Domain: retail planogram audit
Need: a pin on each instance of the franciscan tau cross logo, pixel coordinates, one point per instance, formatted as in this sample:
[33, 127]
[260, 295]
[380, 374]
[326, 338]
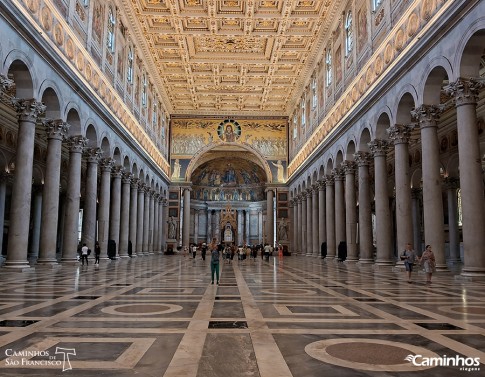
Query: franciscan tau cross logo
[66, 363]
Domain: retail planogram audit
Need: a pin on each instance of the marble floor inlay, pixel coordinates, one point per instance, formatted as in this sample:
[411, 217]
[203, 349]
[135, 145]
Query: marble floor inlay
[299, 317]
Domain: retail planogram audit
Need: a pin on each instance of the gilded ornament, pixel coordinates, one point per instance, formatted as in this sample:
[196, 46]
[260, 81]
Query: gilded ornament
[399, 40]
[70, 48]
[80, 61]
[33, 5]
[378, 65]
[388, 53]
[46, 18]
[412, 25]
[59, 34]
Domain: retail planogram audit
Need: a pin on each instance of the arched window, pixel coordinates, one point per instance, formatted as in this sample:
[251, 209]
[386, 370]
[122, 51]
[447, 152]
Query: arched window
[460, 212]
[86, 3]
[314, 92]
[154, 114]
[303, 112]
[130, 66]
[144, 92]
[295, 130]
[328, 66]
[377, 3]
[111, 31]
[349, 35]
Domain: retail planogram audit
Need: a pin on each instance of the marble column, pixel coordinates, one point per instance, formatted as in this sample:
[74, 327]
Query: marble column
[322, 221]
[304, 226]
[339, 177]
[115, 207]
[217, 226]
[299, 230]
[309, 226]
[315, 224]
[186, 229]
[56, 132]
[416, 203]
[260, 227]
[452, 185]
[291, 230]
[163, 226]
[428, 116]
[471, 177]
[400, 135]
[196, 226]
[156, 223]
[269, 217]
[125, 215]
[133, 216]
[240, 228]
[385, 248]
[349, 168]
[36, 223]
[151, 223]
[72, 202]
[146, 220]
[366, 246]
[93, 156]
[104, 205]
[18, 239]
[247, 227]
[330, 217]
[209, 226]
[3, 193]
[140, 219]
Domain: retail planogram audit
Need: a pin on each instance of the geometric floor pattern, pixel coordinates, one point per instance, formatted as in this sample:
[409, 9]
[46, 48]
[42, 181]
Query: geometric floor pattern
[298, 316]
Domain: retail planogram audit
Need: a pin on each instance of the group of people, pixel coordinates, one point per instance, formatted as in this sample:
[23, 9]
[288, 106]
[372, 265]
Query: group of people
[427, 261]
[84, 252]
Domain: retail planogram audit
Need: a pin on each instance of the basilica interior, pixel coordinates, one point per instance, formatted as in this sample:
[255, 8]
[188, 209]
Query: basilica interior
[340, 133]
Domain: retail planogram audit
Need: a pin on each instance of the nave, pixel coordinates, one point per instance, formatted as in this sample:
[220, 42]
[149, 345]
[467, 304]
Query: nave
[297, 316]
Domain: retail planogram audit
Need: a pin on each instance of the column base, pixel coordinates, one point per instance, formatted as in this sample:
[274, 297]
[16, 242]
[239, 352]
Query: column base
[69, 260]
[47, 261]
[351, 260]
[454, 261]
[365, 261]
[123, 256]
[442, 268]
[18, 266]
[472, 274]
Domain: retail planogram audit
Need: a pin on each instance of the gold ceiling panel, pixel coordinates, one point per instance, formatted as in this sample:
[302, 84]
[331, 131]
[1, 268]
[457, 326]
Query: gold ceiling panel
[253, 56]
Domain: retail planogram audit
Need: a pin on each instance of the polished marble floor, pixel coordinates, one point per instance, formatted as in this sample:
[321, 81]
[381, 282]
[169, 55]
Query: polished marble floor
[299, 316]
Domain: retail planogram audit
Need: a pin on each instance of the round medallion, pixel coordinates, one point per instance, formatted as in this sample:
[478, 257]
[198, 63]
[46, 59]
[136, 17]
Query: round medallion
[399, 39]
[46, 18]
[229, 130]
[70, 48]
[412, 26]
[58, 34]
[388, 53]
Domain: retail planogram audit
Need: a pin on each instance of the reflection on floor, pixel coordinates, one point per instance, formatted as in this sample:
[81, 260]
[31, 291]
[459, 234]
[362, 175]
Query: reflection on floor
[301, 316]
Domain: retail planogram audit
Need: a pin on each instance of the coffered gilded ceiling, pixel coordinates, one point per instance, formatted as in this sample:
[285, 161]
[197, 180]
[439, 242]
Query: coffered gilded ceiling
[232, 56]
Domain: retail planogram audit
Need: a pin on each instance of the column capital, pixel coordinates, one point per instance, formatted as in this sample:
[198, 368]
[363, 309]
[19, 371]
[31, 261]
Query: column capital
[363, 158]
[349, 166]
[189, 189]
[379, 147]
[56, 128]
[309, 192]
[451, 183]
[427, 115]
[7, 86]
[329, 180]
[465, 91]
[303, 195]
[93, 155]
[400, 133]
[315, 187]
[134, 182]
[126, 178]
[117, 171]
[106, 164]
[76, 143]
[165, 203]
[28, 109]
[141, 186]
[338, 174]
[321, 184]
[267, 189]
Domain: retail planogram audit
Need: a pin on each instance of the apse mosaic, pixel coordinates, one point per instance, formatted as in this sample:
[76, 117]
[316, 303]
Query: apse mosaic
[267, 138]
[228, 179]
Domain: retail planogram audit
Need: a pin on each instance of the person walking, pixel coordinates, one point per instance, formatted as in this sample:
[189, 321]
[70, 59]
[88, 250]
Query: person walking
[84, 254]
[428, 262]
[215, 256]
[409, 257]
[97, 253]
[203, 250]
[194, 250]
